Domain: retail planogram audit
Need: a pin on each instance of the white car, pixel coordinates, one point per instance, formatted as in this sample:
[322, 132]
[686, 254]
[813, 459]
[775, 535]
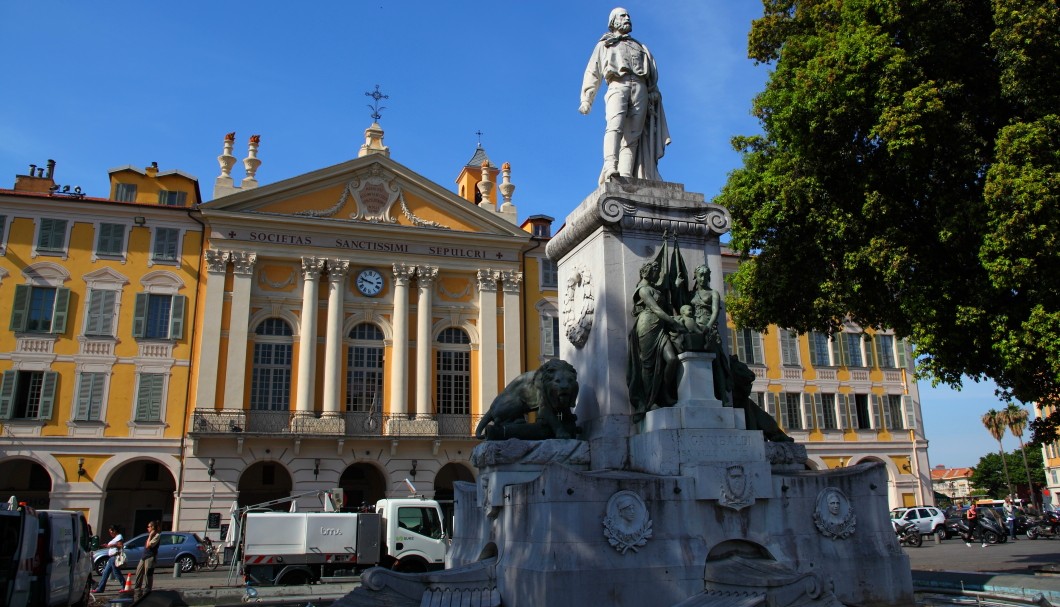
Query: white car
[928, 519]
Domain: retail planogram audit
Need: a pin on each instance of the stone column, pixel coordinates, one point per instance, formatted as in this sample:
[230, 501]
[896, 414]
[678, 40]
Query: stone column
[236, 367]
[337, 270]
[399, 369]
[487, 327]
[425, 276]
[513, 343]
[307, 334]
[210, 334]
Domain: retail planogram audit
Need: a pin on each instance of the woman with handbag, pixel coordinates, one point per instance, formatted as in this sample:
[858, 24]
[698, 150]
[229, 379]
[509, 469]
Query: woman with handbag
[145, 571]
[114, 549]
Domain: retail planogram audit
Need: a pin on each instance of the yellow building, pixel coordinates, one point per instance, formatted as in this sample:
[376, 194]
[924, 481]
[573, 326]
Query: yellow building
[851, 398]
[96, 357]
[1051, 461]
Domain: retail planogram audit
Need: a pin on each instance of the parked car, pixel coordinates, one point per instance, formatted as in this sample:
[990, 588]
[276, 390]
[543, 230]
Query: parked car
[175, 548]
[928, 519]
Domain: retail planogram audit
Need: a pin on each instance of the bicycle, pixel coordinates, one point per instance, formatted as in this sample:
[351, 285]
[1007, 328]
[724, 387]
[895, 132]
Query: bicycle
[213, 556]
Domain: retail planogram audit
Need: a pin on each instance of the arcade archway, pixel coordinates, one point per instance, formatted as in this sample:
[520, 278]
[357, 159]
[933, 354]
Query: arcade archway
[264, 482]
[28, 481]
[362, 484]
[138, 492]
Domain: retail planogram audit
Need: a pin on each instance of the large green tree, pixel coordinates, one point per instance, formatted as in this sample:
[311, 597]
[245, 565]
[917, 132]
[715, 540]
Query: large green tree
[908, 176]
[988, 477]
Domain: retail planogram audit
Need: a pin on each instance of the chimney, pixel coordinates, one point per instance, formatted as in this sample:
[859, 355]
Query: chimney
[152, 171]
[37, 181]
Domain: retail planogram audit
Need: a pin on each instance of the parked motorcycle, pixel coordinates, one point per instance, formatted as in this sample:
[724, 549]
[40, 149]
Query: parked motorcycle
[988, 531]
[908, 534]
[1047, 525]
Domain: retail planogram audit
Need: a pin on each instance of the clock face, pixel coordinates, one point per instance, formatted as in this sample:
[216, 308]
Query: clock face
[370, 282]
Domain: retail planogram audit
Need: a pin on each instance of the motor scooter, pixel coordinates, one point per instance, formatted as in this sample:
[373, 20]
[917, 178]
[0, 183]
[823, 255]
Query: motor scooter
[988, 531]
[1047, 525]
[908, 534]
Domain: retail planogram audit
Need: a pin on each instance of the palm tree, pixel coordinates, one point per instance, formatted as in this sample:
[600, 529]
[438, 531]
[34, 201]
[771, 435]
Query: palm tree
[996, 423]
[1017, 423]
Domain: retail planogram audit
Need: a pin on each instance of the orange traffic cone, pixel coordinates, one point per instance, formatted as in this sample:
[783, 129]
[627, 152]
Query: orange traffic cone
[128, 584]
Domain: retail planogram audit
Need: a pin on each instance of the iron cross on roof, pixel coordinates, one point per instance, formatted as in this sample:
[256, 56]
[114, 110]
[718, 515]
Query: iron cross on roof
[376, 95]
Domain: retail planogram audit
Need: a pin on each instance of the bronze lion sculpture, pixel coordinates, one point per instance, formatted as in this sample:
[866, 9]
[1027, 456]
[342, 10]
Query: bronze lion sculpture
[550, 391]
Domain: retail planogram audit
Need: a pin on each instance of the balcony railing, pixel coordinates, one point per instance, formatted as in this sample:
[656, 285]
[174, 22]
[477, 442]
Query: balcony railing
[206, 422]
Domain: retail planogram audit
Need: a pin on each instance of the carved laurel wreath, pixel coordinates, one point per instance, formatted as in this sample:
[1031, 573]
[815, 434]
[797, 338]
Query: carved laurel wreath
[624, 542]
[579, 305]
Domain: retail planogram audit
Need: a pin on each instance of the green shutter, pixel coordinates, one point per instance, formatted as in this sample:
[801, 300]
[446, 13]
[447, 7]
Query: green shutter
[852, 408]
[782, 404]
[901, 350]
[836, 342]
[20, 307]
[7, 394]
[84, 396]
[140, 315]
[875, 404]
[62, 306]
[878, 350]
[818, 409]
[805, 401]
[47, 395]
[885, 404]
[176, 317]
[910, 412]
[756, 348]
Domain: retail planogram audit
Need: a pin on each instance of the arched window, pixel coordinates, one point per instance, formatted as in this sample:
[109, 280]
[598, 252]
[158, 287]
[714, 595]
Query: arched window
[364, 370]
[453, 372]
[270, 387]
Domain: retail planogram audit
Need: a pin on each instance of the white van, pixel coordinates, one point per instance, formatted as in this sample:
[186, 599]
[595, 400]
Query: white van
[44, 558]
[65, 561]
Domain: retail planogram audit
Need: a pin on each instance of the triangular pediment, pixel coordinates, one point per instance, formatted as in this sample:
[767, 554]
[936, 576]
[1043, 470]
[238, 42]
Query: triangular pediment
[373, 190]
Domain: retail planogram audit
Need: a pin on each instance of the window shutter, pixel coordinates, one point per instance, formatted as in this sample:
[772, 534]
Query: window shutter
[839, 402]
[837, 350]
[140, 315]
[547, 337]
[7, 394]
[805, 401]
[782, 404]
[62, 305]
[814, 355]
[100, 312]
[84, 396]
[852, 408]
[875, 400]
[901, 351]
[176, 317]
[818, 408]
[910, 412]
[773, 402]
[886, 404]
[756, 348]
[20, 307]
[877, 344]
[149, 398]
[47, 395]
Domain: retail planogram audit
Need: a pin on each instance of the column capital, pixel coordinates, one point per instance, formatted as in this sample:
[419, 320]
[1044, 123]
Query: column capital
[487, 279]
[425, 276]
[216, 261]
[512, 280]
[312, 266]
[402, 273]
[338, 269]
[243, 262]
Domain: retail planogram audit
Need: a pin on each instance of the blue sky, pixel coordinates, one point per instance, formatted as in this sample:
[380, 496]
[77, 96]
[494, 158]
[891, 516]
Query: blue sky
[98, 85]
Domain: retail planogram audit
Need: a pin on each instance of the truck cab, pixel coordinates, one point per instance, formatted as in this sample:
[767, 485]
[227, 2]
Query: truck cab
[415, 536]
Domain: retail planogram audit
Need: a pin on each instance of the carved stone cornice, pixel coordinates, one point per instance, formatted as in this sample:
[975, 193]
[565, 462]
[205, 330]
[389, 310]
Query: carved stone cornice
[216, 261]
[402, 274]
[243, 262]
[425, 276]
[511, 281]
[639, 205]
[312, 267]
[487, 280]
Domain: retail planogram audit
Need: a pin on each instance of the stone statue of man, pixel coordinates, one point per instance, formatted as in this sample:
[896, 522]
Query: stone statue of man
[636, 135]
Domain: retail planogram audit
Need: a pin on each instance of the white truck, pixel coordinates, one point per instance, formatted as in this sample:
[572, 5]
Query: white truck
[288, 548]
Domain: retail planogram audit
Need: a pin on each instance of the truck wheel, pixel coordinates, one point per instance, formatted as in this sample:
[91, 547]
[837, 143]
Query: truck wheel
[412, 564]
[295, 578]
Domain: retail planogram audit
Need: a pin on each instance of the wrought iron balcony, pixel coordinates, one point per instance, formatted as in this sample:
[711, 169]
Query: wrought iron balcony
[213, 422]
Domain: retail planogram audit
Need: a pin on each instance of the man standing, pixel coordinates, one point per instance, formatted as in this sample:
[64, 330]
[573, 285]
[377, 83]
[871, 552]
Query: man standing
[144, 579]
[636, 135]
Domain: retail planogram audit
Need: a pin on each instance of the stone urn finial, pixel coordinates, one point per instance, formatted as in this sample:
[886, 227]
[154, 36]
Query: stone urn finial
[226, 159]
[506, 187]
[485, 187]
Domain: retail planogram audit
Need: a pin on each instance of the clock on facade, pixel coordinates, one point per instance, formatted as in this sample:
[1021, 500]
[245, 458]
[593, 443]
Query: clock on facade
[370, 282]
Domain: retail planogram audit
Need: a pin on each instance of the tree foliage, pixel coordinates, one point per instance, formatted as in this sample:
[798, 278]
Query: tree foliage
[908, 177]
[988, 476]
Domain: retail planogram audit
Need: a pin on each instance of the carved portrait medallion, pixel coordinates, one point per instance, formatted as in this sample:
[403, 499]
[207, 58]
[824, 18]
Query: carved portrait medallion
[626, 524]
[736, 491]
[834, 514]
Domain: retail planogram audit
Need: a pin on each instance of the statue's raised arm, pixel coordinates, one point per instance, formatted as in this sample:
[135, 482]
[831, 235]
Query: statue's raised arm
[636, 135]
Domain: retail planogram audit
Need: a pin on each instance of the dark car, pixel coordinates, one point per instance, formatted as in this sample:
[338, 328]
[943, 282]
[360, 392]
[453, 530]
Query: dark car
[175, 547]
